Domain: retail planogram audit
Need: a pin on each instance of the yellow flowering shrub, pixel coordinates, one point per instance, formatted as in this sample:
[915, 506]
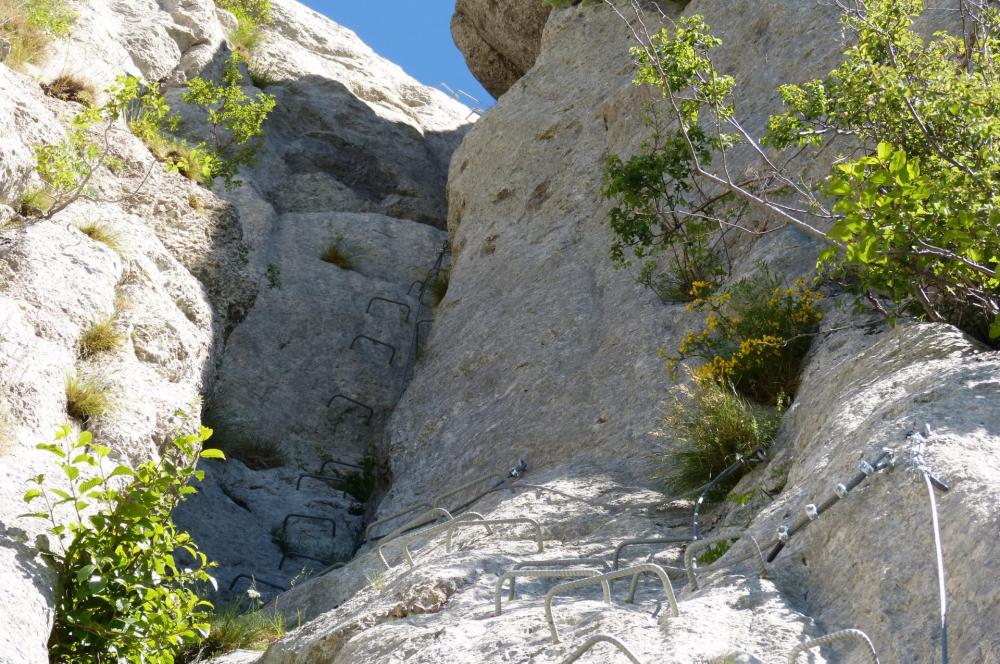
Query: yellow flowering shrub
[753, 337]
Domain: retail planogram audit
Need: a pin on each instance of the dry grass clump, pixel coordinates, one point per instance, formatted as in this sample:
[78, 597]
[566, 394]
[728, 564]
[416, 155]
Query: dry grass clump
[103, 336]
[71, 87]
[88, 398]
[36, 202]
[335, 255]
[709, 427]
[103, 233]
[30, 25]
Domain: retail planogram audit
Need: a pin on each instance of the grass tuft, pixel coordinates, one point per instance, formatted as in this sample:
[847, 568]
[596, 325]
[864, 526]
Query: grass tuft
[30, 25]
[709, 426]
[71, 87]
[36, 202]
[103, 336]
[335, 255]
[99, 231]
[231, 630]
[87, 398]
[438, 287]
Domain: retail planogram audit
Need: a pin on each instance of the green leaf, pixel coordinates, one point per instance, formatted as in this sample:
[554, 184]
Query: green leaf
[884, 151]
[898, 162]
[31, 494]
[211, 453]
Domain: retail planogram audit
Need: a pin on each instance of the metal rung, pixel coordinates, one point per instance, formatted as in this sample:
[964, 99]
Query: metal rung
[324, 478]
[254, 581]
[375, 341]
[855, 635]
[421, 519]
[337, 462]
[541, 574]
[392, 517]
[642, 542]
[371, 411]
[610, 576]
[402, 305]
[499, 522]
[433, 530]
[601, 638]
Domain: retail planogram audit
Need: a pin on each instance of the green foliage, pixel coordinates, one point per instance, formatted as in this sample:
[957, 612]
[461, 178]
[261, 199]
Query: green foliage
[715, 552]
[104, 233]
[273, 275]
[88, 398]
[30, 25]
[36, 202]
[258, 11]
[237, 121]
[915, 220]
[335, 255]
[122, 595]
[709, 426]
[755, 336]
[103, 336]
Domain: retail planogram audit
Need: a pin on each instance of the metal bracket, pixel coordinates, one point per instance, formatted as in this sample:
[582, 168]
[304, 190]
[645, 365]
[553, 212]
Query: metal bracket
[601, 638]
[324, 478]
[401, 305]
[497, 522]
[371, 411]
[610, 576]
[433, 530]
[377, 343]
[677, 539]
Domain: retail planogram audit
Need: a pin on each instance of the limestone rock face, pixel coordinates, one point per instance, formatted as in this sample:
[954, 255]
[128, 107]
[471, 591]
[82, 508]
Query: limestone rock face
[500, 40]
[220, 295]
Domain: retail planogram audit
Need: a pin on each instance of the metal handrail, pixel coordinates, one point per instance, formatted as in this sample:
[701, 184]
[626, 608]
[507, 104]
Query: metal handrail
[402, 305]
[417, 521]
[377, 343]
[391, 517]
[254, 580]
[601, 638]
[371, 411]
[842, 635]
[610, 576]
[410, 289]
[498, 522]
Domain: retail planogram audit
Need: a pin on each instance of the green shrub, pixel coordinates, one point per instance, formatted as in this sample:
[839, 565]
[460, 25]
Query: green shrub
[335, 255]
[251, 16]
[231, 630]
[914, 221]
[708, 427]
[103, 336]
[104, 233]
[755, 335]
[36, 202]
[122, 595]
[237, 121]
[362, 484]
[30, 25]
[88, 398]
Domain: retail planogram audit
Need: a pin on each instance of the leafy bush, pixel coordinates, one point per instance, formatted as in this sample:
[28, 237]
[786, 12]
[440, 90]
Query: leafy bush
[103, 336]
[914, 220]
[335, 255]
[755, 336]
[709, 426]
[88, 398]
[237, 121]
[121, 595]
[71, 87]
[104, 233]
[29, 26]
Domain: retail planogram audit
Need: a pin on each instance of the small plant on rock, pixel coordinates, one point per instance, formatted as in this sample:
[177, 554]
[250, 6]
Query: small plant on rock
[709, 426]
[251, 16]
[122, 595]
[232, 629]
[438, 287]
[103, 336]
[88, 398]
[102, 232]
[335, 255]
[755, 336]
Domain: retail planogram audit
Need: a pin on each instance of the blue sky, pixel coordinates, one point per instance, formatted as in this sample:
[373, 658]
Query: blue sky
[415, 34]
